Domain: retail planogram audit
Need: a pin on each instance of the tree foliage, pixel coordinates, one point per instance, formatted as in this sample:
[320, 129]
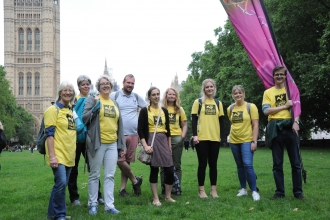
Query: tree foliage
[17, 122]
[302, 29]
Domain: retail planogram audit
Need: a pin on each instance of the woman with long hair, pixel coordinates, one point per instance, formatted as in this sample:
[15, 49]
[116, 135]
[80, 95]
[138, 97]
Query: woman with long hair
[244, 119]
[161, 149]
[178, 127]
[105, 138]
[208, 126]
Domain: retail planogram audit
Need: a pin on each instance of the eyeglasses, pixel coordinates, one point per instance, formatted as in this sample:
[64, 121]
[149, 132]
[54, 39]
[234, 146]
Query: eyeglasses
[105, 84]
[67, 91]
[279, 74]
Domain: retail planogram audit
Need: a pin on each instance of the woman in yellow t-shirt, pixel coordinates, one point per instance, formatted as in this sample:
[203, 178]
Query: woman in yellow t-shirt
[162, 148]
[243, 139]
[207, 135]
[60, 130]
[178, 127]
[105, 138]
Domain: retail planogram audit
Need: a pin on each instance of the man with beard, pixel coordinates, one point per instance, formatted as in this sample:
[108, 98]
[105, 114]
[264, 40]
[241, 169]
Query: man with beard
[129, 104]
[282, 130]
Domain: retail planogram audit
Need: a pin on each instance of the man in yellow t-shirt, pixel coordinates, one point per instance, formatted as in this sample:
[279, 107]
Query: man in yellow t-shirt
[284, 131]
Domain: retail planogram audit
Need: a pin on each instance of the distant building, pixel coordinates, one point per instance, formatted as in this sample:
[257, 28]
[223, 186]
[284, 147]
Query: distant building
[32, 53]
[175, 84]
[109, 72]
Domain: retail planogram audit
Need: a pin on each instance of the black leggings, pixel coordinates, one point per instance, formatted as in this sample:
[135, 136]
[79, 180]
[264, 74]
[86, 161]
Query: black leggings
[207, 153]
[168, 175]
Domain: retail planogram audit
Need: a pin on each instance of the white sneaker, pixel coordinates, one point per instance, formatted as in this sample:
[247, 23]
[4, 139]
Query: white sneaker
[255, 196]
[242, 192]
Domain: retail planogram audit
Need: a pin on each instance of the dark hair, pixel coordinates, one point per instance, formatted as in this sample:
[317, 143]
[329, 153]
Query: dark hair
[128, 75]
[277, 68]
[149, 93]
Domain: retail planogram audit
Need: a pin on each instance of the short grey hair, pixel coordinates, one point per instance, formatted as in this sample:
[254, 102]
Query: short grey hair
[83, 78]
[97, 84]
[61, 87]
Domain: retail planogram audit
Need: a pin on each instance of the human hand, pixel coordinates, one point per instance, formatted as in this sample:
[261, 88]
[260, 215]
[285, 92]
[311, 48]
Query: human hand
[148, 149]
[289, 103]
[196, 141]
[253, 146]
[295, 128]
[53, 162]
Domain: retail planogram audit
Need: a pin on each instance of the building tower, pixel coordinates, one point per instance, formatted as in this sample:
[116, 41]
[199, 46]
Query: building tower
[32, 53]
[175, 83]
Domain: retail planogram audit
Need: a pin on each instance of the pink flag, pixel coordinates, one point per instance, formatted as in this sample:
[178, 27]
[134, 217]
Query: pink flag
[250, 22]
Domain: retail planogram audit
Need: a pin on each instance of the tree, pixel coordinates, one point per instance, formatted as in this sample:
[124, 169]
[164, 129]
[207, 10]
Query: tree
[16, 120]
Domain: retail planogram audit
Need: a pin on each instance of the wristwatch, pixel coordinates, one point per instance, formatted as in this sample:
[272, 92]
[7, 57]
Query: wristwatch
[255, 142]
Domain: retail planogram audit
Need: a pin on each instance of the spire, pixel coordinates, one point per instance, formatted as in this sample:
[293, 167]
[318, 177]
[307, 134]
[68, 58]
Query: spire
[106, 68]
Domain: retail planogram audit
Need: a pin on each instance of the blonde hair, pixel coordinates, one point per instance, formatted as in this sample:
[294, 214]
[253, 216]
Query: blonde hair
[1, 126]
[203, 96]
[177, 100]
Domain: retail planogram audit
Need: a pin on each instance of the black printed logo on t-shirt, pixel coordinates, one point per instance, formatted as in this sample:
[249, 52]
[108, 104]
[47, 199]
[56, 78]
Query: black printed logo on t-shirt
[210, 109]
[71, 124]
[160, 120]
[237, 117]
[109, 111]
[280, 99]
[172, 118]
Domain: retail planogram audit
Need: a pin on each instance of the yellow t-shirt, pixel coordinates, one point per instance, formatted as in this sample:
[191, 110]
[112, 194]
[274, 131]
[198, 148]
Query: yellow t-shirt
[152, 120]
[174, 120]
[276, 97]
[109, 115]
[241, 127]
[208, 121]
[64, 136]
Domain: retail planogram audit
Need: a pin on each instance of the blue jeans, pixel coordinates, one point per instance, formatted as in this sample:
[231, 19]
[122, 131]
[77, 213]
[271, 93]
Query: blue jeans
[244, 160]
[57, 206]
[288, 138]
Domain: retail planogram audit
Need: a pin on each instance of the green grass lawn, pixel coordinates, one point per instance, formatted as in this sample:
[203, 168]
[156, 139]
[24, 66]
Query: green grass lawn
[25, 185]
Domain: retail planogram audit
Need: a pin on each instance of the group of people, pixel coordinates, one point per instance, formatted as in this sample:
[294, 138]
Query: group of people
[117, 120]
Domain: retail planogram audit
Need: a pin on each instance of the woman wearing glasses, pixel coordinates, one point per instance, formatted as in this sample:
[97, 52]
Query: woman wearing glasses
[60, 130]
[105, 138]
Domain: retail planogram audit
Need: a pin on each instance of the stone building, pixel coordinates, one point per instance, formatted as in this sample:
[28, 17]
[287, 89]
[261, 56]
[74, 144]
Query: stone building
[175, 83]
[32, 53]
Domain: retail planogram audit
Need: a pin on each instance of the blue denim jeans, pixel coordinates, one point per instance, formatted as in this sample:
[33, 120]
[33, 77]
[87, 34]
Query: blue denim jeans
[288, 138]
[57, 206]
[244, 161]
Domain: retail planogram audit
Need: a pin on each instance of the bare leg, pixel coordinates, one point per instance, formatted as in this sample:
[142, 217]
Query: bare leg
[154, 189]
[126, 173]
[168, 190]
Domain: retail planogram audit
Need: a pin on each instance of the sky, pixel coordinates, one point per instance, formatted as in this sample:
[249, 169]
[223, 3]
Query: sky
[151, 39]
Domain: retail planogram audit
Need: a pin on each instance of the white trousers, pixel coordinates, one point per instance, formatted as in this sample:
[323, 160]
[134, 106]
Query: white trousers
[107, 154]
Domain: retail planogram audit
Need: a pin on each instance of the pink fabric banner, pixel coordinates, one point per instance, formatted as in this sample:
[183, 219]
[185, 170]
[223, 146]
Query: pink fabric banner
[250, 23]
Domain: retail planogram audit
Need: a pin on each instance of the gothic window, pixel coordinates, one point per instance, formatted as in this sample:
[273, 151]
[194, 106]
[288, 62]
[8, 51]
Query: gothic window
[20, 84]
[37, 39]
[29, 40]
[29, 84]
[21, 39]
[37, 84]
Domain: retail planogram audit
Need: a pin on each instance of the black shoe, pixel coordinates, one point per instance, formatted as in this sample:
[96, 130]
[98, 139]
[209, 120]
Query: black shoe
[277, 196]
[299, 196]
[137, 185]
[123, 193]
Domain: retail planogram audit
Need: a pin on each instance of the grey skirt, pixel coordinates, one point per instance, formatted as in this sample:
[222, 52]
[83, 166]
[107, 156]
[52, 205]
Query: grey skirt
[161, 156]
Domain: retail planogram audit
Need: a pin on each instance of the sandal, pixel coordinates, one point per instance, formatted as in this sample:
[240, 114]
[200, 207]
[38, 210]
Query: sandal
[156, 203]
[169, 200]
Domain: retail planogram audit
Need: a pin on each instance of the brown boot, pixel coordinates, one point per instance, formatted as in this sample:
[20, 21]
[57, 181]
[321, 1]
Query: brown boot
[213, 192]
[202, 193]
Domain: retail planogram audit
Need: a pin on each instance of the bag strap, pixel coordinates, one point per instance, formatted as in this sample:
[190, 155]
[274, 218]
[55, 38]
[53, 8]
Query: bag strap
[153, 138]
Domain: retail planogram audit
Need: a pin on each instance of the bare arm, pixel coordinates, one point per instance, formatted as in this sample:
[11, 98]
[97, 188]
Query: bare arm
[274, 110]
[53, 162]
[255, 131]
[184, 128]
